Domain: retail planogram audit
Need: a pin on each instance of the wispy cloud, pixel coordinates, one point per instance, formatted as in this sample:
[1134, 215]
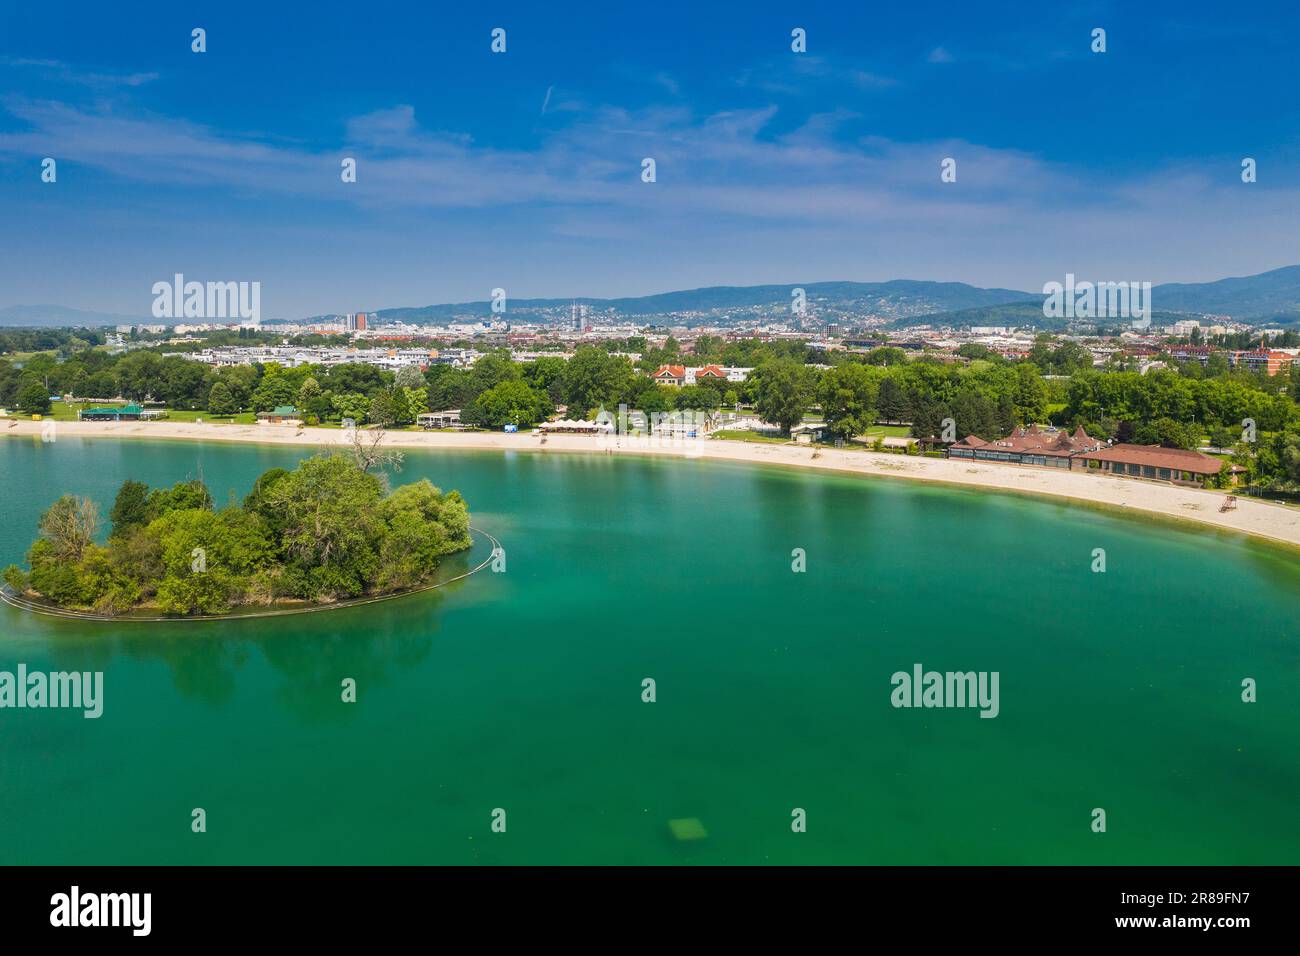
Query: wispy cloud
[769, 183]
[729, 163]
[57, 70]
[805, 74]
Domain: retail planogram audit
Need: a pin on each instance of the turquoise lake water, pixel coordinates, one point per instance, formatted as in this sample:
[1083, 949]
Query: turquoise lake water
[522, 690]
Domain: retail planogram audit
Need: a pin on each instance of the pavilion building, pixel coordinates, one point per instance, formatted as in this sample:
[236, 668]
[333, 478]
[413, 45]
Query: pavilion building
[1029, 445]
[1052, 448]
[1177, 465]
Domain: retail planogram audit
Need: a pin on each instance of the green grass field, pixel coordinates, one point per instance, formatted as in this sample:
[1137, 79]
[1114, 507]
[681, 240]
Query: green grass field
[887, 431]
[65, 412]
[741, 434]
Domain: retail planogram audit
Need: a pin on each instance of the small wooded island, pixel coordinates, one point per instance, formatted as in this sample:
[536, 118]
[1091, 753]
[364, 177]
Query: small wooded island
[325, 532]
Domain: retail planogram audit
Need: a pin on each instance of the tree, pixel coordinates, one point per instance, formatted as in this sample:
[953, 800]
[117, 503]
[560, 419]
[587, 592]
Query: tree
[181, 382]
[782, 393]
[975, 415]
[241, 380]
[891, 401]
[417, 402]
[976, 352]
[34, 399]
[256, 500]
[512, 403]
[384, 409]
[101, 384]
[353, 406]
[1222, 436]
[366, 446]
[1007, 419]
[233, 546]
[1070, 357]
[695, 398]
[847, 395]
[1041, 352]
[183, 496]
[491, 370]
[886, 355]
[138, 373]
[1030, 395]
[275, 389]
[546, 374]
[130, 507]
[409, 376]
[308, 394]
[594, 379]
[354, 377]
[1166, 432]
[330, 509]
[927, 417]
[220, 400]
[69, 526]
[421, 524]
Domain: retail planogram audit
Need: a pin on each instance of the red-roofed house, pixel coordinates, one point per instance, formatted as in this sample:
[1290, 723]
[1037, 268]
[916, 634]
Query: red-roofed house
[670, 374]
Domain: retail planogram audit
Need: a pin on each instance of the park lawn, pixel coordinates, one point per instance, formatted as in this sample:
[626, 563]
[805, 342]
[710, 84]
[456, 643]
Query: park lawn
[744, 434]
[887, 431]
[180, 415]
[65, 412]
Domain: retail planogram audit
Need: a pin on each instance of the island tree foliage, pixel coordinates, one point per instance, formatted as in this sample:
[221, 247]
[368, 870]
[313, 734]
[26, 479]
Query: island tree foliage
[323, 532]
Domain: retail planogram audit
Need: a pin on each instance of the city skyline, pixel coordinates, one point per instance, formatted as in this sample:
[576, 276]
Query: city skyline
[522, 170]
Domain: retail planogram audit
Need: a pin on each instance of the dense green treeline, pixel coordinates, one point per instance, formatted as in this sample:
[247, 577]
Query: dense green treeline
[982, 393]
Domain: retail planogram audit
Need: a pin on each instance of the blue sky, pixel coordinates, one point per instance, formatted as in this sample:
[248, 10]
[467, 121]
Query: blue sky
[522, 170]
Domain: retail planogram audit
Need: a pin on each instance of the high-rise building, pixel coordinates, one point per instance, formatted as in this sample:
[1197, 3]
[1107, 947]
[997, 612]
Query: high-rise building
[578, 316]
[354, 322]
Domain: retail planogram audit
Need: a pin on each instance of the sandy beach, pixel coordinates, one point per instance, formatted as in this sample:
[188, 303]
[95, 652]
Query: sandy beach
[1262, 519]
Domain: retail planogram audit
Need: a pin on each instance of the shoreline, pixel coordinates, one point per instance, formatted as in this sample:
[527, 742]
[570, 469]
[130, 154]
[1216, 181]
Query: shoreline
[1259, 519]
[24, 603]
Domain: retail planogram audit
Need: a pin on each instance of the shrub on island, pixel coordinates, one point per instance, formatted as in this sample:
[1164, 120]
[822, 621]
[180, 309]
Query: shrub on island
[324, 532]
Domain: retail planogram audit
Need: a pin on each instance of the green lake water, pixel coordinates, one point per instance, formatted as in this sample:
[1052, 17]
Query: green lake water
[522, 690]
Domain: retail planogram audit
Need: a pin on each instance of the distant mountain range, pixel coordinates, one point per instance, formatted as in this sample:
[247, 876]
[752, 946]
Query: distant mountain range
[1020, 315]
[899, 297]
[1267, 298]
[1270, 298]
[1264, 299]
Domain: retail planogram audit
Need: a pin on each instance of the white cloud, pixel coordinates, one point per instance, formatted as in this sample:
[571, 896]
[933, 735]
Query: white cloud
[59, 71]
[724, 179]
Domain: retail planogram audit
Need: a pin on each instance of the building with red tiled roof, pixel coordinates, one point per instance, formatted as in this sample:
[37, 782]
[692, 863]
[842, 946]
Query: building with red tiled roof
[1151, 461]
[1081, 452]
[670, 374]
[1029, 445]
[1185, 353]
[1270, 361]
